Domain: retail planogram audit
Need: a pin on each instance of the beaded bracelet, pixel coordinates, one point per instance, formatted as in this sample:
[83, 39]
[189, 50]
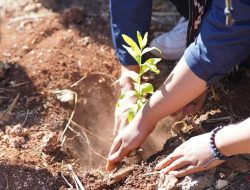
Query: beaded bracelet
[217, 155]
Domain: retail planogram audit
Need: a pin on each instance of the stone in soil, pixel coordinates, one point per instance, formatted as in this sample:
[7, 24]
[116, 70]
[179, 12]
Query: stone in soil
[198, 181]
[167, 182]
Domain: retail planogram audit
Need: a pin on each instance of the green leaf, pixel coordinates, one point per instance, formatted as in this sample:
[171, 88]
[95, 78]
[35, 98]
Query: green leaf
[148, 49]
[132, 44]
[145, 40]
[133, 53]
[150, 64]
[144, 88]
[141, 102]
[127, 94]
[139, 39]
[147, 88]
[132, 112]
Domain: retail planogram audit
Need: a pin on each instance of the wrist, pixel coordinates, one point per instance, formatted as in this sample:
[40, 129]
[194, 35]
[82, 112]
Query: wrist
[221, 142]
[143, 122]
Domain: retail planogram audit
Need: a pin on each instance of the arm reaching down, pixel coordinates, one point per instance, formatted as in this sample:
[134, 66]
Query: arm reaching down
[181, 87]
[195, 155]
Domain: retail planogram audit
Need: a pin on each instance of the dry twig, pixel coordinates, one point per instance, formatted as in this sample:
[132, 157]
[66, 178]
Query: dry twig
[75, 178]
[12, 105]
[70, 119]
[82, 128]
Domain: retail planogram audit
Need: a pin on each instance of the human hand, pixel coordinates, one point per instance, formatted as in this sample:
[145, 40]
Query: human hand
[121, 114]
[190, 157]
[129, 139]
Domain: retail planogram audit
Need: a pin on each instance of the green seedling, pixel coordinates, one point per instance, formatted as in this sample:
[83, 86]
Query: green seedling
[141, 90]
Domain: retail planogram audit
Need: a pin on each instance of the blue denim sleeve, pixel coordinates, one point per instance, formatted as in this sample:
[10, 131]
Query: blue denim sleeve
[127, 17]
[218, 47]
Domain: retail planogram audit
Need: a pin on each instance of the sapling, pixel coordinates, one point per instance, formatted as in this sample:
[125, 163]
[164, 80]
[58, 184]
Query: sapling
[141, 90]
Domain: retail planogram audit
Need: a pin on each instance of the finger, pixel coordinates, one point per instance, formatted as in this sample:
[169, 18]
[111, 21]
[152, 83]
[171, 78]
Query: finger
[116, 126]
[115, 146]
[185, 171]
[177, 164]
[115, 158]
[168, 160]
[123, 123]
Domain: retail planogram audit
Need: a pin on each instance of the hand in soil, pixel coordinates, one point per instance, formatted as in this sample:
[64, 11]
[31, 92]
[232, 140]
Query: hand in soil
[121, 115]
[129, 139]
[190, 157]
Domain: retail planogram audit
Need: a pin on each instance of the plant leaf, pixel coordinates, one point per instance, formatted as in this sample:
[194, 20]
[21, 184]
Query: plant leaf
[145, 40]
[127, 94]
[148, 49]
[132, 112]
[150, 64]
[65, 95]
[147, 88]
[141, 102]
[132, 44]
[133, 53]
[139, 37]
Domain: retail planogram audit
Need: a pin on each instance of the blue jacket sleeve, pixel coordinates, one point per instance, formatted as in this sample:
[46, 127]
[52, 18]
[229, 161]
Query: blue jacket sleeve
[127, 17]
[218, 47]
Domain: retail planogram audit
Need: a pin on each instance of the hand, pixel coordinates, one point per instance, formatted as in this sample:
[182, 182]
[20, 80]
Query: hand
[121, 114]
[190, 157]
[129, 139]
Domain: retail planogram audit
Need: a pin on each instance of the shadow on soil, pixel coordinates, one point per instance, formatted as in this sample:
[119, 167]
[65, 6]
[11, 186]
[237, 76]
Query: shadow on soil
[19, 177]
[79, 14]
[20, 102]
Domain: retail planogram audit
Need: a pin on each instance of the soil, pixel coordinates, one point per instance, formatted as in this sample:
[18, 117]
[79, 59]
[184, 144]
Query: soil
[57, 45]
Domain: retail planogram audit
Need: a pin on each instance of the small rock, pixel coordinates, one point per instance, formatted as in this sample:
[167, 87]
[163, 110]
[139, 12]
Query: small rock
[17, 142]
[198, 181]
[50, 143]
[220, 184]
[17, 130]
[167, 182]
[86, 41]
[238, 164]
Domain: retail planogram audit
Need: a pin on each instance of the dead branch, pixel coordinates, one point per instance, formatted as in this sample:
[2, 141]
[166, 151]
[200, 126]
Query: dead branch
[117, 177]
[12, 105]
[221, 119]
[82, 128]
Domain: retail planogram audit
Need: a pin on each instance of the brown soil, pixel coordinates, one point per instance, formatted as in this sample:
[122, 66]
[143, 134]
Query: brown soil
[48, 45]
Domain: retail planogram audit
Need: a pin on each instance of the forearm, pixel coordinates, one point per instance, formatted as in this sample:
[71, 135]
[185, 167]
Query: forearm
[234, 139]
[180, 88]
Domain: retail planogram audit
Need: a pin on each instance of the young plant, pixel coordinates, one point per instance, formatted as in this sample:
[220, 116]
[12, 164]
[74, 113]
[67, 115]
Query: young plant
[141, 90]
